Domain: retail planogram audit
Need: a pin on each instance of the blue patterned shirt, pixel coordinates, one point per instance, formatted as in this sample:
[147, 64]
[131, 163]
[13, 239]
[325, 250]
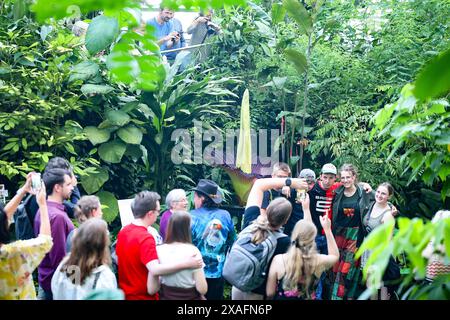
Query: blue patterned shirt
[213, 234]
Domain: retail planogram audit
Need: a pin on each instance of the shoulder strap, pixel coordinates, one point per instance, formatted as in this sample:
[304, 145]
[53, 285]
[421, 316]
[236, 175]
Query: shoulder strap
[279, 235]
[27, 199]
[370, 210]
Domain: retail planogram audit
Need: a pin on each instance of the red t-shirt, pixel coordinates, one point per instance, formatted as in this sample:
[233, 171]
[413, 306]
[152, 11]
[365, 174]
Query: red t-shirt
[135, 248]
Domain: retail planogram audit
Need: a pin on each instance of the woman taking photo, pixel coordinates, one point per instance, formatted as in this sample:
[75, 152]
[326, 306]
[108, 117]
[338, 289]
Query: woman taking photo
[263, 223]
[296, 274]
[19, 259]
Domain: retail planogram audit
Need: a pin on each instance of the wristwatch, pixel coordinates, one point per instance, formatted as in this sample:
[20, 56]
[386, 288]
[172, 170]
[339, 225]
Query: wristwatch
[288, 182]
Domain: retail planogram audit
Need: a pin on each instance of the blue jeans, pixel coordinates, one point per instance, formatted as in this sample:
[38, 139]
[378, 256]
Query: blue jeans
[322, 248]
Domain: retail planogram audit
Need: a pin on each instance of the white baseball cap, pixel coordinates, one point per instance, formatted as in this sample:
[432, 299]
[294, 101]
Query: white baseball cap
[329, 168]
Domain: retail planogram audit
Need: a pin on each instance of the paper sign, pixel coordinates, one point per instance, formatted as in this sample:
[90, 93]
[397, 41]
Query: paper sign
[126, 216]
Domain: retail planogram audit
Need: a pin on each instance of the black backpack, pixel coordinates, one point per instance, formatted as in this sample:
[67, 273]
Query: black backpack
[23, 221]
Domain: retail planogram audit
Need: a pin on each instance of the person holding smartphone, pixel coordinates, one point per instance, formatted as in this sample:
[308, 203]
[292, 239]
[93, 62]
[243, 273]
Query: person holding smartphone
[20, 258]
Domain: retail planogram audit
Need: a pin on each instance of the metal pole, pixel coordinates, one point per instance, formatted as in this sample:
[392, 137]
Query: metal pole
[186, 48]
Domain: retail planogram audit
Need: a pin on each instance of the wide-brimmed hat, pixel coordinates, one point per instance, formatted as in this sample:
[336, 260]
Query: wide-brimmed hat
[209, 189]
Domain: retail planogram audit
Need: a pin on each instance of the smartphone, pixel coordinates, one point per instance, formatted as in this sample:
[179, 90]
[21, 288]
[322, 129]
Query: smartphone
[36, 183]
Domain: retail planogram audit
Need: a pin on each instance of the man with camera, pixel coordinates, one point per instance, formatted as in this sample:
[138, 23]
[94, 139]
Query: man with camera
[168, 32]
[200, 29]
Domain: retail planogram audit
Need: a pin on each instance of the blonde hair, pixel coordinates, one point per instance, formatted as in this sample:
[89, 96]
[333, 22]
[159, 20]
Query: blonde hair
[301, 262]
[350, 168]
[281, 166]
[277, 215]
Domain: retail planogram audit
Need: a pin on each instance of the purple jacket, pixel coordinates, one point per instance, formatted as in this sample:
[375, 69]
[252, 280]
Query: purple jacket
[164, 222]
[61, 226]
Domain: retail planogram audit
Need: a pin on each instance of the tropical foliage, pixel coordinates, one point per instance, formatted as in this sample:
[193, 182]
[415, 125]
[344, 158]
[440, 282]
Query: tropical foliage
[365, 82]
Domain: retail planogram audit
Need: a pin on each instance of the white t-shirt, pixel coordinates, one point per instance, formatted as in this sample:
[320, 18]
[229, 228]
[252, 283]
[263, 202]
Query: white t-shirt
[64, 289]
[173, 253]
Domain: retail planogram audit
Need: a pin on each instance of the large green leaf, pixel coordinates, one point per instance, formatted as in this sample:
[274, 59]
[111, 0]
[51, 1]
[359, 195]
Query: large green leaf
[434, 79]
[117, 117]
[110, 207]
[88, 89]
[112, 152]
[264, 29]
[297, 58]
[278, 13]
[298, 12]
[96, 135]
[130, 134]
[134, 152]
[20, 9]
[101, 33]
[62, 8]
[92, 182]
[84, 71]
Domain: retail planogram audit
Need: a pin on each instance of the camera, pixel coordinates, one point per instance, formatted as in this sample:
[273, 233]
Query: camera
[210, 28]
[175, 37]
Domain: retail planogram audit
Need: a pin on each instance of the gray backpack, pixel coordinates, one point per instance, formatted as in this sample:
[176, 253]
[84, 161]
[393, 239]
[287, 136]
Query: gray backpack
[247, 264]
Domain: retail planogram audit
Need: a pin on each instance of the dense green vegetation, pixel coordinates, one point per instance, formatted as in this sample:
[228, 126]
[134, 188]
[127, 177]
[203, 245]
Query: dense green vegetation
[365, 82]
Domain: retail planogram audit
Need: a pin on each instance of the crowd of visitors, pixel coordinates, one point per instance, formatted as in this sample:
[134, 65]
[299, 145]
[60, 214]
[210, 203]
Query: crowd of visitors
[298, 241]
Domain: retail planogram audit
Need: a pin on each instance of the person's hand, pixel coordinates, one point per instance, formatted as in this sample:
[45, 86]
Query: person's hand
[27, 186]
[286, 191]
[394, 211]
[170, 36]
[74, 180]
[325, 222]
[366, 187]
[298, 183]
[195, 261]
[41, 197]
[214, 26]
[305, 202]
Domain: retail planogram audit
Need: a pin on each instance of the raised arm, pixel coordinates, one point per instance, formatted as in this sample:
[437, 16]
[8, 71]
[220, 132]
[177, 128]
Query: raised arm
[41, 199]
[256, 194]
[195, 23]
[306, 209]
[12, 205]
[333, 251]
